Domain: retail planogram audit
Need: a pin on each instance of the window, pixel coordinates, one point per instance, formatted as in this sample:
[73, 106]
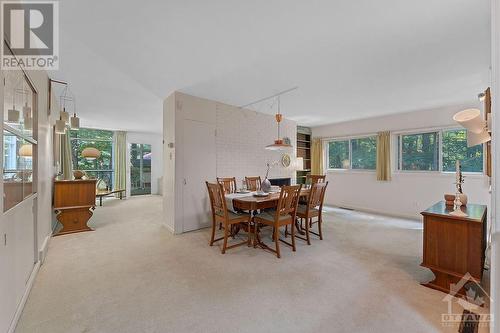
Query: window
[438, 151]
[140, 169]
[338, 154]
[364, 153]
[100, 168]
[358, 154]
[455, 148]
[419, 152]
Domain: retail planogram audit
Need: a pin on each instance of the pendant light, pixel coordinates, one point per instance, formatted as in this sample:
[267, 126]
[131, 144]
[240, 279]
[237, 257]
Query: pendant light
[26, 150]
[91, 153]
[60, 126]
[27, 119]
[278, 144]
[75, 122]
[13, 114]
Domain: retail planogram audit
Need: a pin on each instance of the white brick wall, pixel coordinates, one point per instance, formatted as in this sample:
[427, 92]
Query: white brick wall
[241, 137]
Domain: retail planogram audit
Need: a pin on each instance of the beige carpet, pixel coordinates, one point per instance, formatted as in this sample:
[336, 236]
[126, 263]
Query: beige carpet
[132, 275]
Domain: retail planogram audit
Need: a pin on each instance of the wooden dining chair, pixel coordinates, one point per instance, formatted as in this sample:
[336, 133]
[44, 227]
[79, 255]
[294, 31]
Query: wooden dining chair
[253, 183]
[313, 179]
[220, 214]
[312, 209]
[284, 215]
[229, 184]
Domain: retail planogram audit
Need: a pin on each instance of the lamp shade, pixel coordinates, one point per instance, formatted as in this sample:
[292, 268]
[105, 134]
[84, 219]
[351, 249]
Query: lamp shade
[471, 120]
[299, 163]
[91, 153]
[75, 122]
[26, 150]
[474, 139]
[65, 115]
[60, 126]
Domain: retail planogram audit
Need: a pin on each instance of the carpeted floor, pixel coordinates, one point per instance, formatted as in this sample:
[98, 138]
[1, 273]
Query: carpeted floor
[132, 275]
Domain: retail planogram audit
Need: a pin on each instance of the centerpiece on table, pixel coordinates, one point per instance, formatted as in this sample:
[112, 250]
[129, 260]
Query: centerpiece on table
[266, 184]
[460, 198]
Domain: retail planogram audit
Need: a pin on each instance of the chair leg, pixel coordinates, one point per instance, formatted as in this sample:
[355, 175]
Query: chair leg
[286, 231]
[293, 236]
[225, 239]
[220, 226]
[276, 236]
[320, 221]
[212, 237]
[307, 232]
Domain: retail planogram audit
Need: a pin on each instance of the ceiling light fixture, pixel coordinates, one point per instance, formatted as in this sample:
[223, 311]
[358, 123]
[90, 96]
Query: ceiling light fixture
[91, 153]
[26, 150]
[279, 144]
[477, 128]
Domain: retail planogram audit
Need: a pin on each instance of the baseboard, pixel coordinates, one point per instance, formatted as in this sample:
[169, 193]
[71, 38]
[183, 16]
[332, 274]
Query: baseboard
[27, 291]
[169, 228]
[378, 212]
[42, 253]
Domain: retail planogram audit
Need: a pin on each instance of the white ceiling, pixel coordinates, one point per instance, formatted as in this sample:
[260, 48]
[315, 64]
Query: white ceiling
[350, 59]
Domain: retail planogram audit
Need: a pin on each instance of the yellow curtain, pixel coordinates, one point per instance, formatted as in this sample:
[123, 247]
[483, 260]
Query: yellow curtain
[384, 156]
[317, 157]
[120, 160]
[66, 159]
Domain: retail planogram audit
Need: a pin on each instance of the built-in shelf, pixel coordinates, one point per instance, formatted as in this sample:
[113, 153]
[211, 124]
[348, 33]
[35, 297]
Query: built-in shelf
[304, 151]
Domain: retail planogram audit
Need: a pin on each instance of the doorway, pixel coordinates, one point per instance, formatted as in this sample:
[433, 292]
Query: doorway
[140, 169]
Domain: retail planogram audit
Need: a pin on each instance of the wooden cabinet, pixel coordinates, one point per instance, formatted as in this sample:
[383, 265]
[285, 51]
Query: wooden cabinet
[74, 201]
[304, 151]
[454, 246]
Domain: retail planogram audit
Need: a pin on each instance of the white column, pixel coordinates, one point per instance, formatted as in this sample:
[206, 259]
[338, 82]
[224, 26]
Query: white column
[495, 200]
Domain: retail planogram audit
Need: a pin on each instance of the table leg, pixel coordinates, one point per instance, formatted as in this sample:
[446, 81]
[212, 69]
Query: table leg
[100, 201]
[299, 227]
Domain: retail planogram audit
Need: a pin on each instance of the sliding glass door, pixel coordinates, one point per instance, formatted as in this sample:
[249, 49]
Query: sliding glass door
[140, 169]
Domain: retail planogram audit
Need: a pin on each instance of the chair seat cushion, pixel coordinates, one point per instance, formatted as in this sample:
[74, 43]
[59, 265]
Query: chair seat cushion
[301, 210]
[270, 214]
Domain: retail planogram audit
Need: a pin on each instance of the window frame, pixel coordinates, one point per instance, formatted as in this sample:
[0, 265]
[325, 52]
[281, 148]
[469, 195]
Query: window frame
[397, 164]
[111, 171]
[348, 139]
[32, 139]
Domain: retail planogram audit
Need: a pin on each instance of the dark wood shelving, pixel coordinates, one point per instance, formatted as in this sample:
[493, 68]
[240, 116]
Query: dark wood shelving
[304, 151]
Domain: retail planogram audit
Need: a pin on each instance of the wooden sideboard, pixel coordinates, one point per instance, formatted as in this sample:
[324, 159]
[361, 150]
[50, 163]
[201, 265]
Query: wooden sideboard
[74, 201]
[454, 246]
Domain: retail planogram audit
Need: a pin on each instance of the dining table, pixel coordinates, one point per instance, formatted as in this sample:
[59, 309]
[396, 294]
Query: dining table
[252, 203]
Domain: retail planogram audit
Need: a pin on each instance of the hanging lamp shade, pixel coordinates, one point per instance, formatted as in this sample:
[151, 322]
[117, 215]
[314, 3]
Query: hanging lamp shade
[279, 144]
[91, 153]
[13, 115]
[60, 126]
[65, 115]
[471, 120]
[75, 122]
[26, 150]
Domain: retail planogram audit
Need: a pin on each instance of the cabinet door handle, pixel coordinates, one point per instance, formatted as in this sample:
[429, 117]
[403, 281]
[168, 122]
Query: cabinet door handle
[185, 183]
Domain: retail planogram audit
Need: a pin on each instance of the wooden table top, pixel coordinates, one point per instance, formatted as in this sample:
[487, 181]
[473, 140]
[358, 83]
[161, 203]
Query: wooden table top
[475, 212]
[269, 201]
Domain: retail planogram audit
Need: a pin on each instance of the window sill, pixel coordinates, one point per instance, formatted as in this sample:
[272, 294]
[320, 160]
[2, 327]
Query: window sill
[349, 171]
[439, 173]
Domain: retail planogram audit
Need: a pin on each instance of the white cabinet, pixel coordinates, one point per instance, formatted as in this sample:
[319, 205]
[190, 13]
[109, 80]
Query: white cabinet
[17, 258]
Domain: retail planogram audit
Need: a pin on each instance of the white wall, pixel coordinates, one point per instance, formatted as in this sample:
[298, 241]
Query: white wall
[241, 136]
[156, 142]
[27, 241]
[407, 194]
